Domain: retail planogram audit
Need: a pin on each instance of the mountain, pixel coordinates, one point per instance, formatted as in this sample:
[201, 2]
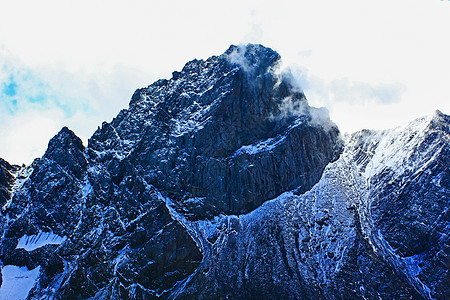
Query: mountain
[222, 182]
[6, 181]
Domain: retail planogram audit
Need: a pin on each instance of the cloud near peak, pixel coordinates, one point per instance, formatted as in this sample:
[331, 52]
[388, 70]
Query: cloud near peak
[346, 90]
[36, 102]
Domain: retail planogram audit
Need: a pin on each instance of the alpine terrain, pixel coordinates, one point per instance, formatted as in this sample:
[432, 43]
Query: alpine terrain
[223, 183]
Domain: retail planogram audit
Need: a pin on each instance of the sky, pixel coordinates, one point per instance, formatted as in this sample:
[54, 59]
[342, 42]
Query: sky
[372, 64]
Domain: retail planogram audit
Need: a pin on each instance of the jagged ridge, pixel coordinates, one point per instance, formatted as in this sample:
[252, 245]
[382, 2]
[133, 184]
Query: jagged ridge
[173, 198]
[216, 127]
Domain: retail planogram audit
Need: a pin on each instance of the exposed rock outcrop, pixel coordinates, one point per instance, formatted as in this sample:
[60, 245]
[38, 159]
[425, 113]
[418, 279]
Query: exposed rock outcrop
[222, 136]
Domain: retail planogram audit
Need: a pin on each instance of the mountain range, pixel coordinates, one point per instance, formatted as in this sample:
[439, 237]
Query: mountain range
[223, 183]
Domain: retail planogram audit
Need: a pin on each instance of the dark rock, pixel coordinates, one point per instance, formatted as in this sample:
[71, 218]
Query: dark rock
[222, 182]
[216, 127]
[67, 150]
[6, 181]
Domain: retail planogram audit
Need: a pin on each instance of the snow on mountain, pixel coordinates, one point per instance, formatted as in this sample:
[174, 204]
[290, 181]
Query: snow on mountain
[330, 239]
[41, 239]
[17, 282]
[222, 182]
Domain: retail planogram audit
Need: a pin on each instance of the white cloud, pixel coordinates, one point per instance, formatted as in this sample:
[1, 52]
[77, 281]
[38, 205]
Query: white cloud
[25, 136]
[254, 36]
[354, 92]
[48, 98]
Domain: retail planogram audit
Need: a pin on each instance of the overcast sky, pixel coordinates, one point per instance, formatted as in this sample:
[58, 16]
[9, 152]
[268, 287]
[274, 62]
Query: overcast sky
[373, 64]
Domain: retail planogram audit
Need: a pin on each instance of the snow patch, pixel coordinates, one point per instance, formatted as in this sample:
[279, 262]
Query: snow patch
[261, 146]
[195, 200]
[396, 146]
[86, 190]
[17, 282]
[33, 242]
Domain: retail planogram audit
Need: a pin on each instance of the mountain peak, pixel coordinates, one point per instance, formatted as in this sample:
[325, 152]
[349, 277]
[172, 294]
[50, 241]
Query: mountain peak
[441, 122]
[64, 139]
[197, 132]
[67, 150]
[440, 116]
[252, 56]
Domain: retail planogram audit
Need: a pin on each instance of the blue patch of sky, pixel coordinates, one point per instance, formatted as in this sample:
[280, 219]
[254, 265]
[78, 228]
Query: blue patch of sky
[86, 108]
[40, 98]
[68, 110]
[10, 87]
[18, 89]
[23, 88]
[10, 106]
[9, 90]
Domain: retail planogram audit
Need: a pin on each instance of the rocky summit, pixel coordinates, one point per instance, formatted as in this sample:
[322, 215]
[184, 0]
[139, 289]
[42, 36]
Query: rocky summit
[223, 183]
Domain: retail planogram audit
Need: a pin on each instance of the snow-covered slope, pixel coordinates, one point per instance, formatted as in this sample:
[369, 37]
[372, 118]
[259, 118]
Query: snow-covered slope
[375, 226]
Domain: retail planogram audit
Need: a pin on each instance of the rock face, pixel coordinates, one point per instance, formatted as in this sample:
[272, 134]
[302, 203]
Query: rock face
[218, 137]
[6, 181]
[375, 226]
[122, 241]
[221, 183]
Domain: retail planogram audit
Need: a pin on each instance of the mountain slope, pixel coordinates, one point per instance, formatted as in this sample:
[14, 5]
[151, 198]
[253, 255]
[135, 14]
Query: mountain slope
[375, 225]
[216, 127]
[223, 182]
